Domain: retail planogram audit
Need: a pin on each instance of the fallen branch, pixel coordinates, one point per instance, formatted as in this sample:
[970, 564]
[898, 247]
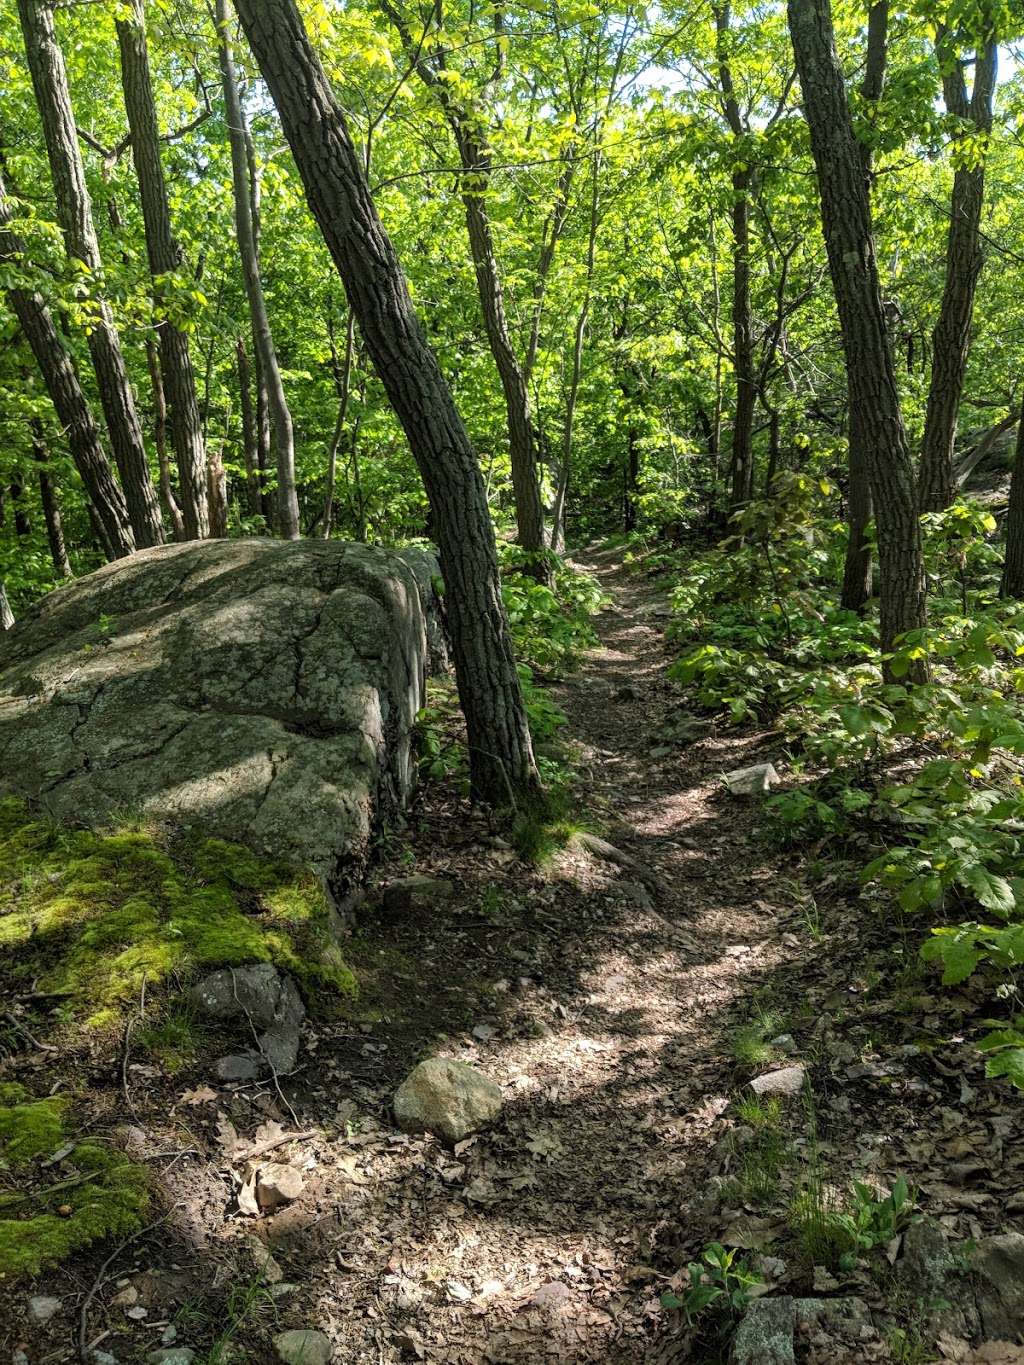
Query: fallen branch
[17, 1024]
[262, 1148]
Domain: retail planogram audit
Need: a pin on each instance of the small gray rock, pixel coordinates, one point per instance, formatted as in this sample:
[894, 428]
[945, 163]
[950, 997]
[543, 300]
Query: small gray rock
[172, 1355]
[280, 1049]
[757, 780]
[278, 1183]
[409, 895]
[42, 1307]
[241, 1066]
[788, 1080]
[447, 1098]
[256, 992]
[303, 1346]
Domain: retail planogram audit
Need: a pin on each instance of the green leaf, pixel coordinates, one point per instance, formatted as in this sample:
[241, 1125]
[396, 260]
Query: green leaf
[993, 892]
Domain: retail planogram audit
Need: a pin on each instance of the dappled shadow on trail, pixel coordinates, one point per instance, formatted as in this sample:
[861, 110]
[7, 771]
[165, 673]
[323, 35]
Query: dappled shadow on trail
[605, 1017]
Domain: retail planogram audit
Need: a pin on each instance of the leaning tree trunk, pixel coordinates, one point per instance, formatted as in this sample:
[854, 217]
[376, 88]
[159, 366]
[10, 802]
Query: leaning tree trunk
[74, 211]
[51, 507]
[521, 436]
[164, 257]
[64, 387]
[951, 339]
[857, 569]
[263, 339]
[849, 240]
[1013, 564]
[502, 767]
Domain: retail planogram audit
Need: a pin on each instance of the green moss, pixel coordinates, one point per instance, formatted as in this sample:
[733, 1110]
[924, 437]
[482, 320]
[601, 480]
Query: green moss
[93, 913]
[93, 1193]
[28, 1128]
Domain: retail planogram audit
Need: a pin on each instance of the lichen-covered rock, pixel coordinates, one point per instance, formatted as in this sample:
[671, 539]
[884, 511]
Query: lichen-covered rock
[258, 690]
[830, 1332]
[997, 1268]
[427, 571]
[447, 1098]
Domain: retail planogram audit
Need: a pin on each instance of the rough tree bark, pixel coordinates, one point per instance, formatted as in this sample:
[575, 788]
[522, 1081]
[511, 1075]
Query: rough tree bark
[263, 339]
[849, 240]
[951, 339]
[164, 256]
[74, 212]
[64, 387]
[6, 615]
[857, 571]
[170, 503]
[502, 767]
[250, 447]
[51, 507]
[1013, 564]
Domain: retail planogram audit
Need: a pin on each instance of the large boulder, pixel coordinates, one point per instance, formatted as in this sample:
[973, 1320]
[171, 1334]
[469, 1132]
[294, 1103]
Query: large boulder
[261, 691]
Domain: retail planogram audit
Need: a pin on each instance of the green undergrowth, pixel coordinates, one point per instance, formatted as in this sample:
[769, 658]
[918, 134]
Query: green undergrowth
[92, 1192]
[918, 782]
[88, 915]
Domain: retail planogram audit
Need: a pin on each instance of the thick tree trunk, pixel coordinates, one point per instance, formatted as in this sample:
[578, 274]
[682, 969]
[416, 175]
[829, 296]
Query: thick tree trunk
[164, 258]
[502, 767]
[74, 211]
[250, 447]
[6, 615]
[1013, 564]
[245, 228]
[857, 570]
[951, 339]
[169, 502]
[846, 218]
[51, 507]
[62, 384]
[16, 492]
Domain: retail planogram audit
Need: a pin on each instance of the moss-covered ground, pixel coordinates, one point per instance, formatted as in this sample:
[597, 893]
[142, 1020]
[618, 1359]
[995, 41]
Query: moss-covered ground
[92, 1191]
[89, 915]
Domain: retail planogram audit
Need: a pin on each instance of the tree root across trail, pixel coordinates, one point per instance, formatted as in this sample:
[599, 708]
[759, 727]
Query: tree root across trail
[622, 995]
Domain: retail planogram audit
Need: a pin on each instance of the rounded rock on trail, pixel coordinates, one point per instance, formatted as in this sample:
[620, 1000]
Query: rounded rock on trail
[303, 1346]
[447, 1098]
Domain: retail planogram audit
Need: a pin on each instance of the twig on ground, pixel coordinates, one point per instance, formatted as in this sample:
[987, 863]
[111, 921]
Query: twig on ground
[16, 1023]
[262, 1148]
[100, 1280]
[259, 1049]
[126, 1051]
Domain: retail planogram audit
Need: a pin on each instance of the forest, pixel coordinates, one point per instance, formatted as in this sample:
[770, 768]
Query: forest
[511, 682]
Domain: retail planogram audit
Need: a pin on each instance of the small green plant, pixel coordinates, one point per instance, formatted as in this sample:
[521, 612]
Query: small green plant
[721, 1280]
[835, 1227]
[760, 1112]
[750, 1044]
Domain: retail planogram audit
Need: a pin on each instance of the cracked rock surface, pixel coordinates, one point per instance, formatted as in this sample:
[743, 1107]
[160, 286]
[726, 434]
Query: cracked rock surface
[261, 691]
